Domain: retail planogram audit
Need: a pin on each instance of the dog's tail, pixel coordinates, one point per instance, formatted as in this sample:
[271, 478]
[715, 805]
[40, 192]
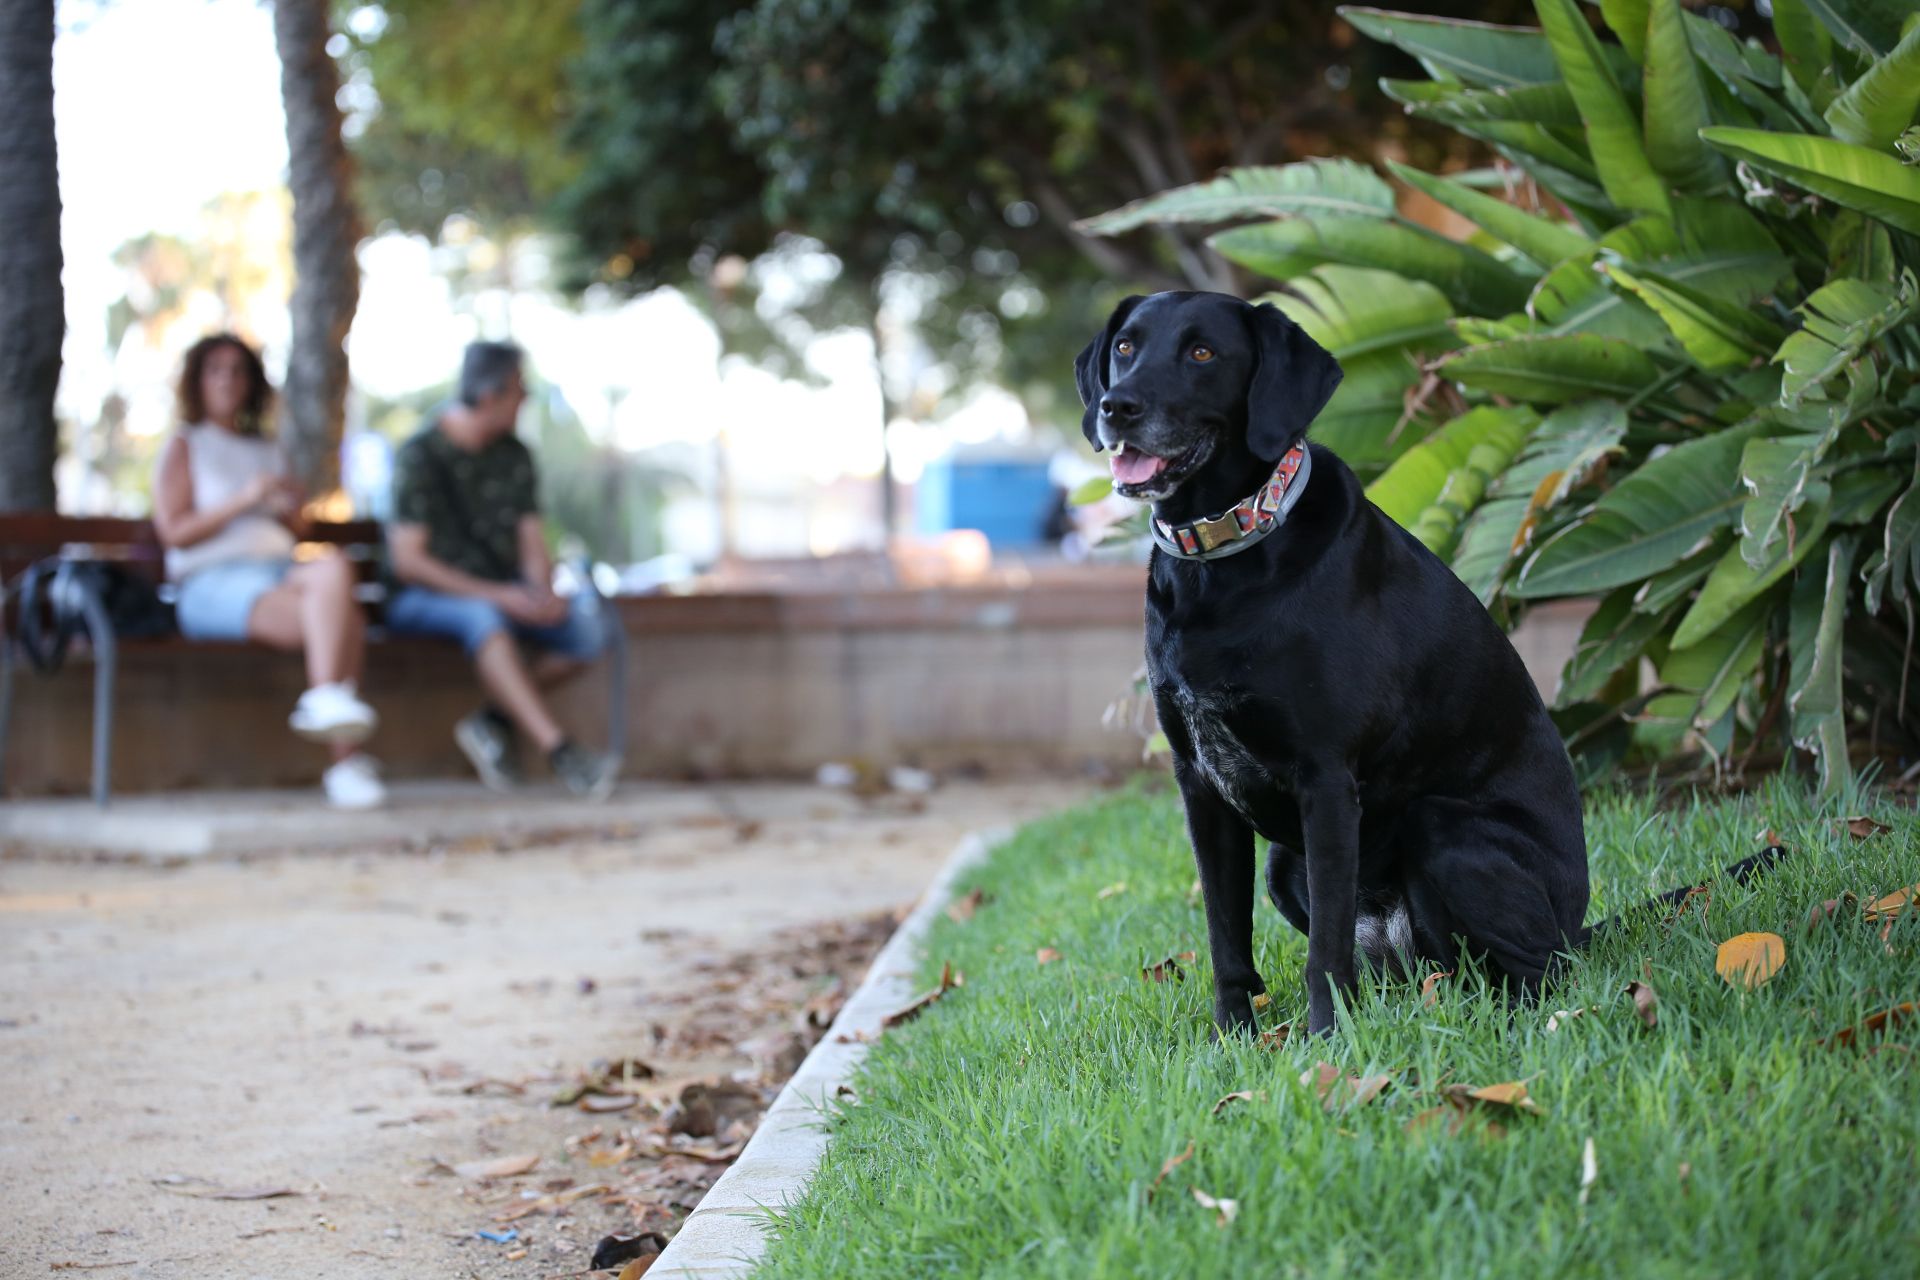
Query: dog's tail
[1742, 872]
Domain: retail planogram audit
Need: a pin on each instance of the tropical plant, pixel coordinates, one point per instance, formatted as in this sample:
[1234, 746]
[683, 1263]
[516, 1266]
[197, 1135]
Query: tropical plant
[1673, 367]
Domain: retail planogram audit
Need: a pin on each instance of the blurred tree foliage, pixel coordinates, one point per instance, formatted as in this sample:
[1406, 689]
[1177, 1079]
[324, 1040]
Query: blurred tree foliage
[941, 151]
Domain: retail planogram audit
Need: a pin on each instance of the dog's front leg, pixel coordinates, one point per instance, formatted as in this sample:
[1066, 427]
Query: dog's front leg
[1330, 819]
[1223, 853]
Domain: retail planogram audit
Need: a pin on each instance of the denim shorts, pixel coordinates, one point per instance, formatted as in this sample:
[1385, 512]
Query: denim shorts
[214, 603]
[415, 611]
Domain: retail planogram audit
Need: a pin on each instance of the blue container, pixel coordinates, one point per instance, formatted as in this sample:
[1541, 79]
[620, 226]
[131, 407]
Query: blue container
[1007, 500]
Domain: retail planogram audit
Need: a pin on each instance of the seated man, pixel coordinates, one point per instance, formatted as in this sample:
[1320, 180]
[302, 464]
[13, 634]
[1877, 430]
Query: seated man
[467, 548]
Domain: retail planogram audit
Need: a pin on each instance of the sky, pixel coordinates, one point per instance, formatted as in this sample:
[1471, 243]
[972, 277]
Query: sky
[162, 105]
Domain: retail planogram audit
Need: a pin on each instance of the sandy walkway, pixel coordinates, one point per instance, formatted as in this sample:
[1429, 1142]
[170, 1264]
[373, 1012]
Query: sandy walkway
[345, 1027]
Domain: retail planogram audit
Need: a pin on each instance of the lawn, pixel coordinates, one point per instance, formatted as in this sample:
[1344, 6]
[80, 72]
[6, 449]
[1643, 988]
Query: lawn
[1017, 1126]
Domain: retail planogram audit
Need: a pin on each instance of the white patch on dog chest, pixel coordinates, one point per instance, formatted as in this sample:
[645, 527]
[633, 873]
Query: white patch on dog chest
[1222, 758]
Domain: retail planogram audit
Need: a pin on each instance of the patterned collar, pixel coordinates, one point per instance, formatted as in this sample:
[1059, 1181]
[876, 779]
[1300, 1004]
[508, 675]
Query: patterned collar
[1246, 522]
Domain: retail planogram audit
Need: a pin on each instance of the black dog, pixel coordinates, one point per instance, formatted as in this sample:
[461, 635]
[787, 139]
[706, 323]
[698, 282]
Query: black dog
[1324, 680]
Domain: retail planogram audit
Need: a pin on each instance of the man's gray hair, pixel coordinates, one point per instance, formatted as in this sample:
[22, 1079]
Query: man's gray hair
[485, 369]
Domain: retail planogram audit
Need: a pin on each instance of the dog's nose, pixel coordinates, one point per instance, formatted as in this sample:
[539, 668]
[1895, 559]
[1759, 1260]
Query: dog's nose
[1119, 406]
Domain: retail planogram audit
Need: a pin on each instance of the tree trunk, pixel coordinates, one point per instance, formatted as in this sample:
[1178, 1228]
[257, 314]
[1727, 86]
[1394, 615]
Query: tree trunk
[326, 230]
[32, 306]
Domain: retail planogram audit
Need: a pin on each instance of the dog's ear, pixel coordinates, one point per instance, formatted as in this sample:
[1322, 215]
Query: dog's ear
[1292, 382]
[1090, 369]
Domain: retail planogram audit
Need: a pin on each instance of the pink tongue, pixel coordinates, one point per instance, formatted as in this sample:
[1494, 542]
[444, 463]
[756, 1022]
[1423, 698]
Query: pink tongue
[1130, 466]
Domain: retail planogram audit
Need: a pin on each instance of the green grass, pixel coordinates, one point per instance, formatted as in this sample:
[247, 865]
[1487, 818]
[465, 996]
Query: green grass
[1014, 1129]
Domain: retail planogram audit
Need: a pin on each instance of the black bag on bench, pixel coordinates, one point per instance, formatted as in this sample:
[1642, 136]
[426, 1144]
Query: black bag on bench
[52, 609]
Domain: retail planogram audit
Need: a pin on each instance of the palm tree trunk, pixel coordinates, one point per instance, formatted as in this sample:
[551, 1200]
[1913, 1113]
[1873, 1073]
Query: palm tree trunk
[32, 306]
[326, 229]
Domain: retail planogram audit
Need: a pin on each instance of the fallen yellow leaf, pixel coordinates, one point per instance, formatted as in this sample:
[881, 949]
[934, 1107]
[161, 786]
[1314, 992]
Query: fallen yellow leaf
[1893, 905]
[1045, 955]
[1750, 959]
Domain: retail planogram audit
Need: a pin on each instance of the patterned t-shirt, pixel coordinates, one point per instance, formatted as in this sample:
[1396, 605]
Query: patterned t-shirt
[471, 503]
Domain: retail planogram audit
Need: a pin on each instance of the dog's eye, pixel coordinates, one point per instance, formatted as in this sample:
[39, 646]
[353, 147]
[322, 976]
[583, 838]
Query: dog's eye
[1123, 347]
[1203, 354]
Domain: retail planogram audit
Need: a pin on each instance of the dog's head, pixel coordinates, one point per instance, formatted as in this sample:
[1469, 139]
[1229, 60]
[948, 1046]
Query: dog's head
[1177, 380]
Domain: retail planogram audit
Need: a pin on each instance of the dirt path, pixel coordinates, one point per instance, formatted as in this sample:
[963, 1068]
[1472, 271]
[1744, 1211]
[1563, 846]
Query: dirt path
[346, 1028]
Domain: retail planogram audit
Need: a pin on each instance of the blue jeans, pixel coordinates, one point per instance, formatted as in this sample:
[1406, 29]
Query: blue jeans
[415, 611]
[215, 603]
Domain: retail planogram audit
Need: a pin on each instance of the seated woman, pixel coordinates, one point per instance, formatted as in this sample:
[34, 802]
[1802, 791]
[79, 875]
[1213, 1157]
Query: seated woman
[226, 511]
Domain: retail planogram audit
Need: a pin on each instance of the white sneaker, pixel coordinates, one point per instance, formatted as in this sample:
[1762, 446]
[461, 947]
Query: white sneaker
[333, 713]
[354, 783]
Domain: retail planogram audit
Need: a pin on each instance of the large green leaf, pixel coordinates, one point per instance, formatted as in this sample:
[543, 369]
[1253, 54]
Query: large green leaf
[1627, 19]
[1878, 107]
[1308, 187]
[1895, 570]
[1362, 423]
[1542, 239]
[1472, 280]
[1613, 636]
[1355, 311]
[1869, 27]
[1806, 49]
[1477, 52]
[1716, 334]
[1734, 583]
[1717, 665]
[1649, 521]
[1859, 178]
[1613, 136]
[1779, 475]
[1660, 593]
[1816, 701]
[1414, 481]
[1860, 247]
[1561, 455]
[1554, 368]
[1675, 104]
[1842, 317]
[1452, 103]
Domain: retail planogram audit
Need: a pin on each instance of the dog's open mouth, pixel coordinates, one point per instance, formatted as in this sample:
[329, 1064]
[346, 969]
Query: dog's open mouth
[1132, 468]
[1142, 475]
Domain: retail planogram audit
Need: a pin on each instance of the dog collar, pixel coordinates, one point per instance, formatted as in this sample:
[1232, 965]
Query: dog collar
[1246, 522]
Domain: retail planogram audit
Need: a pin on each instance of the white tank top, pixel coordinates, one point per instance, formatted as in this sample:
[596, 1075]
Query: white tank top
[222, 463]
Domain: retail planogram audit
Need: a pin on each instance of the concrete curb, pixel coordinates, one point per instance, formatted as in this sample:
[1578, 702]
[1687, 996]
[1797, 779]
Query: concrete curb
[726, 1234]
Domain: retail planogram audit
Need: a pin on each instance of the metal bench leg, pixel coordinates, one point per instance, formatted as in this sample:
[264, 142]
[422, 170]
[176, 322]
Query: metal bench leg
[106, 654]
[6, 702]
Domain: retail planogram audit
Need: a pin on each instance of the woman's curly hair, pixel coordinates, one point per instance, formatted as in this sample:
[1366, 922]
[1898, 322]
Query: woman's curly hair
[253, 412]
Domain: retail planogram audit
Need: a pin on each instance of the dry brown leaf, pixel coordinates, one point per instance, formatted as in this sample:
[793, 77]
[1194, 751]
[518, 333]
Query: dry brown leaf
[1261, 1001]
[1227, 1209]
[1278, 1036]
[1561, 1017]
[1338, 1091]
[503, 1167]
[1510, 1095]
[1242, 1095]
[1429, 986]
[948, 981]
[1750, 959]
[1893, 905]
[1864, 828]
[961, 909]
[1646, 1002]
[1700, 891]
[1831, 910]
[1870, 1026]
[612, 1155]
[1111, 890]
[1168, 1166]
[1045, 955]
[1168, 968]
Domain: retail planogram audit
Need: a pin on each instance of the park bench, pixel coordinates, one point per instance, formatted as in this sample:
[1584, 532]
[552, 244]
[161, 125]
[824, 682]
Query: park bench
[27, 539]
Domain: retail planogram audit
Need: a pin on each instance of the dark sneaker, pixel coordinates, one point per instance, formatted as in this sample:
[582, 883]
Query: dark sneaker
[489, 748]
[585, 774]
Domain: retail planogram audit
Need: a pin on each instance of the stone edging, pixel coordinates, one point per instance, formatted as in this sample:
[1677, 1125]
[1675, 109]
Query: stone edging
[725, 1235]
